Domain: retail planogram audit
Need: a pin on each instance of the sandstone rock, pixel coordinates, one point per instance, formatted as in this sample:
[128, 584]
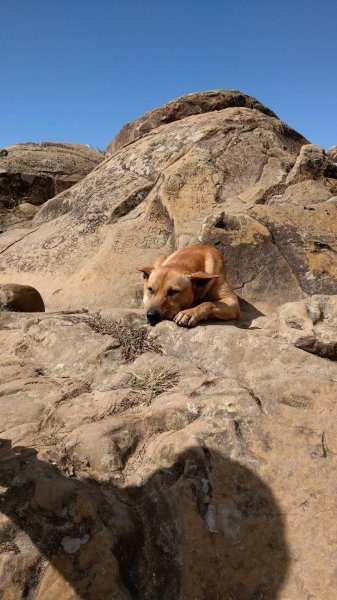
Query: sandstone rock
[255, 266]
[191, 104]
[203, 487]
[307, 240]
[163, 463]
[22, 298]
[27, 210]
[332, 153]
[311, 324]
[312, 163]
[18, 216]
[37, 172]
[306, 194]
[8, 218]
[154, 195]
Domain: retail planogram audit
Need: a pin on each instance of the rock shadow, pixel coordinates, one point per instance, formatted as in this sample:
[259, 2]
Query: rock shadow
[249, 313]
[206, 528]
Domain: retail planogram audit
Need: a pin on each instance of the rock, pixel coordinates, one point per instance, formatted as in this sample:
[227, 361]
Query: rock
[27, 210]
[156, 194]
[195, 103]
[311, 324]
[72, 545]
[255, 266]
[18, 216]
[8, 218]
[307, 241]
[305, 194]
[37, 172]
[312, 163]
[160, 463]
[22, 298]
[332, 153]
[189, 485]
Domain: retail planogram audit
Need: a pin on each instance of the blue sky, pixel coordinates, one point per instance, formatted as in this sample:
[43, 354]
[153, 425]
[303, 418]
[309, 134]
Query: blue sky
[77, 70]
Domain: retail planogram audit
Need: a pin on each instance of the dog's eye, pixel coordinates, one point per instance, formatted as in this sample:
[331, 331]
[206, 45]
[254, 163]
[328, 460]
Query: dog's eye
[171, 292]
[150, 290]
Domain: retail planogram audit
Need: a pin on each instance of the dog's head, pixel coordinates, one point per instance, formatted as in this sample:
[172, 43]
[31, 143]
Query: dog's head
[167, 291]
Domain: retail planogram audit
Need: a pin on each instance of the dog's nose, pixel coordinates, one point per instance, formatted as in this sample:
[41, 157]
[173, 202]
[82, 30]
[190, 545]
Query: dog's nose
[153, 316]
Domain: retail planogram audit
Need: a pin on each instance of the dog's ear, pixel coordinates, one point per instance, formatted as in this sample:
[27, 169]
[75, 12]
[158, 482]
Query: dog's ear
[159, 261]
[146, 271]
[200, 278]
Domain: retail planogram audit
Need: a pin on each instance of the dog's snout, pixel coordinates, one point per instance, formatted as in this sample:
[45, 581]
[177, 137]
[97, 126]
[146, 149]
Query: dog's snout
[153, 316]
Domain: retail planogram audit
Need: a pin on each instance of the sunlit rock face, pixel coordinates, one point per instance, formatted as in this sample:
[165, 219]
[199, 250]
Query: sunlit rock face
[30, 174]
[159, 462]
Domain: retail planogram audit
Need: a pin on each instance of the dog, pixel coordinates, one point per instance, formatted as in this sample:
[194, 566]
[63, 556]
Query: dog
[189, 286]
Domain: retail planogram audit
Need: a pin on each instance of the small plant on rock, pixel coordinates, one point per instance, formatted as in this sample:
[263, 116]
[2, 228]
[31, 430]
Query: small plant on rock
[133, 339]
[154, 382]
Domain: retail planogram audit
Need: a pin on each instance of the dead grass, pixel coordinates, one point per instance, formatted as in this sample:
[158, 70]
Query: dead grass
[154, 382]
[133, 339]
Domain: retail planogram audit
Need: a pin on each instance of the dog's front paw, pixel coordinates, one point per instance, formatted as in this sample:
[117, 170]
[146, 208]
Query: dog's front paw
[186, 318]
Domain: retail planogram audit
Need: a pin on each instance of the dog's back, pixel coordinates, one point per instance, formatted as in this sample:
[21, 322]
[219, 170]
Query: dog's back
[197, 258]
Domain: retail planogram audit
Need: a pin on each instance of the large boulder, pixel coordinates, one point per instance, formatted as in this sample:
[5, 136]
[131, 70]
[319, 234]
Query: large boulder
[219, 177]
[163, 463]
[36, 172]
[195, 103]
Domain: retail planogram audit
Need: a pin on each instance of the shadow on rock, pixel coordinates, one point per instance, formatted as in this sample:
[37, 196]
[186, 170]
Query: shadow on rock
[206, 528]
[249, 313]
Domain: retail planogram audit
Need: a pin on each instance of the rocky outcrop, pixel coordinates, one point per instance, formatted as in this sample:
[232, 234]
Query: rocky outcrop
[36, 172]
[220, 177]
[201, 469]
[312, 163]
[332, 153]
[310, 324]
[160, 192]
[195, 103]
[163, 463]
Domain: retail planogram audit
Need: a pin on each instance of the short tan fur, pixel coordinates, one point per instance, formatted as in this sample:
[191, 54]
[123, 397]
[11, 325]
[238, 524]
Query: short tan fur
[189, 286]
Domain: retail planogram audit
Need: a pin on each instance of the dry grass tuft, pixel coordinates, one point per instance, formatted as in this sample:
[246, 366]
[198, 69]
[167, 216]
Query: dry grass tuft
[133, 339]
[154, 382]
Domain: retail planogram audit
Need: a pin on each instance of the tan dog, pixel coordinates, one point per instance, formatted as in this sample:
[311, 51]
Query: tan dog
[189, 286]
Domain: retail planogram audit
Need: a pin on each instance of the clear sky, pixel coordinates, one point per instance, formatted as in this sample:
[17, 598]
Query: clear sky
[77, 70]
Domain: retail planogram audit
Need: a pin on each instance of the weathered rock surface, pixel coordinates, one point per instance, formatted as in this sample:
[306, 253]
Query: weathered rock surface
[36, 172]
[195, 103]
[312, 163]
[163, 463]
[205, 478]
[154, 195]
[18, 216]
[332, 153]
[219, 177]
[310, 324]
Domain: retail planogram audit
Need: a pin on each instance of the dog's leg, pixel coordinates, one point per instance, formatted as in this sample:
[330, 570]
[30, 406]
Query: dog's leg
[225, 308]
